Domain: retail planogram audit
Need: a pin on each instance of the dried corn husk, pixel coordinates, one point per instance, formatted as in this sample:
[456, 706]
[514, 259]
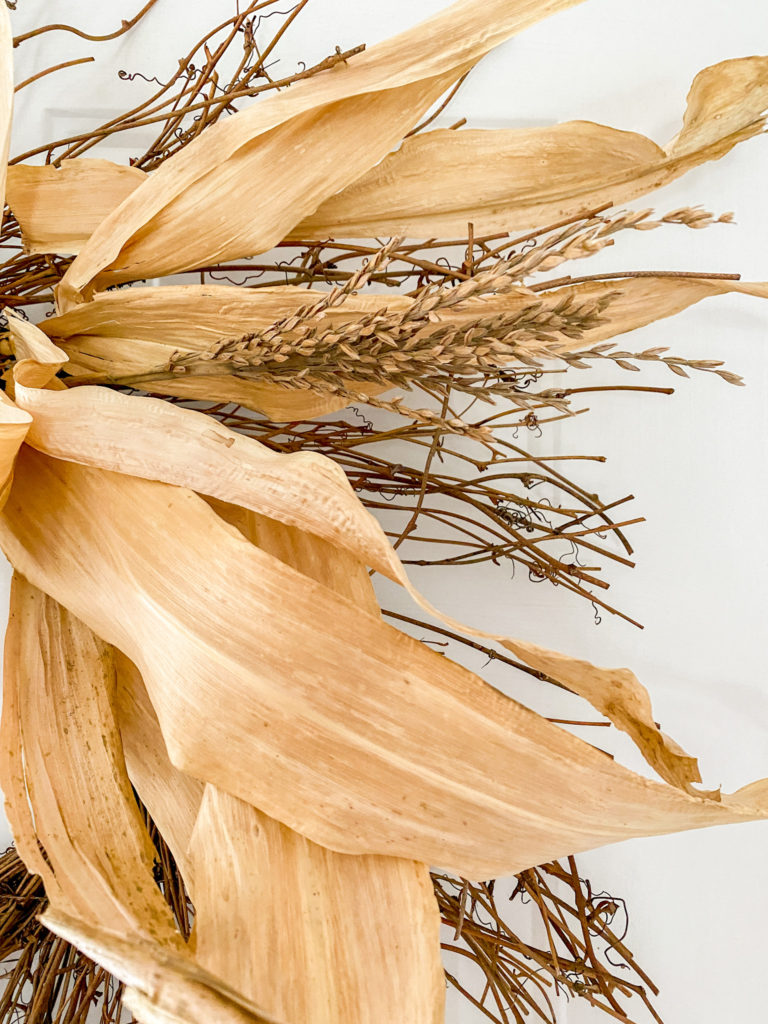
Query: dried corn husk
[189, 449]
[207, 203]
[61, 747]
[640, 301]
[342, 728]
[59, 208]
[256, 885]
[501, 180]
[509, 180]
[76, 823]
[259, 886]
[318, 912]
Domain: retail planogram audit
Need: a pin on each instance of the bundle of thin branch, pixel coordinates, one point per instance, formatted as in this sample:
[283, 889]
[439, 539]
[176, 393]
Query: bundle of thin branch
[46, 978]
[584, 956]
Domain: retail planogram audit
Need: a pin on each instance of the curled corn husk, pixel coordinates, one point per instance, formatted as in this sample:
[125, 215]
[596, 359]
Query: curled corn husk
[425, 762]
[59, 208]
[510, 180]
[319, 912]
[307, 905]
[189, 214]
[500, 180]
[61, 750]
[76, 823]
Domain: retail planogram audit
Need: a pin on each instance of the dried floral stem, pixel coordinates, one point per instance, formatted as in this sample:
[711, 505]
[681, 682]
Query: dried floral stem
[50, 71]
[125, 26]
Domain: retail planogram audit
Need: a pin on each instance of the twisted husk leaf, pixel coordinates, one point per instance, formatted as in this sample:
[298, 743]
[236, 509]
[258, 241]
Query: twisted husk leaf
[206, 203]
[59, 208]
[510, 180]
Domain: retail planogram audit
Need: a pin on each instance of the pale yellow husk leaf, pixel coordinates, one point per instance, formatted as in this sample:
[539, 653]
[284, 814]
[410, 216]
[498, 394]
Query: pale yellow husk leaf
[257, 885]
[61, 752]
[304, 903]
[208, 203]
[76, 822]
[187, 448]
[500, 180]
[358, 937]
[331, 722]
[59, 208]
[508, 180]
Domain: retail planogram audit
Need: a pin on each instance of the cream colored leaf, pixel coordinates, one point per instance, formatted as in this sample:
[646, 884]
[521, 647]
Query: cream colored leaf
[341, 727]
[312, 908]
[506, 180]
[210, 202]
[640, 301]
[500, 180]
[58, 208]
[98, 427]
[358, 936]
[36, 358]
[725, 100]
[63, 749]
[164, 986]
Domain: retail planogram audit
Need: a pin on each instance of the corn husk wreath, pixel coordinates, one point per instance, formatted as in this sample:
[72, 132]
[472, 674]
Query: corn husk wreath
[293, 749]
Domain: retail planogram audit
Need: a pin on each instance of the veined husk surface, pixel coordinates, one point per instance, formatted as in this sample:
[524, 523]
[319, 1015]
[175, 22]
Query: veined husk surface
[194, 210]
[506, 180]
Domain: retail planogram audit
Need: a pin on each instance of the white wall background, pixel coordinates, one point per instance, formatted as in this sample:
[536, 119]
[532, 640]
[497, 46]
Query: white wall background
[696, 461]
